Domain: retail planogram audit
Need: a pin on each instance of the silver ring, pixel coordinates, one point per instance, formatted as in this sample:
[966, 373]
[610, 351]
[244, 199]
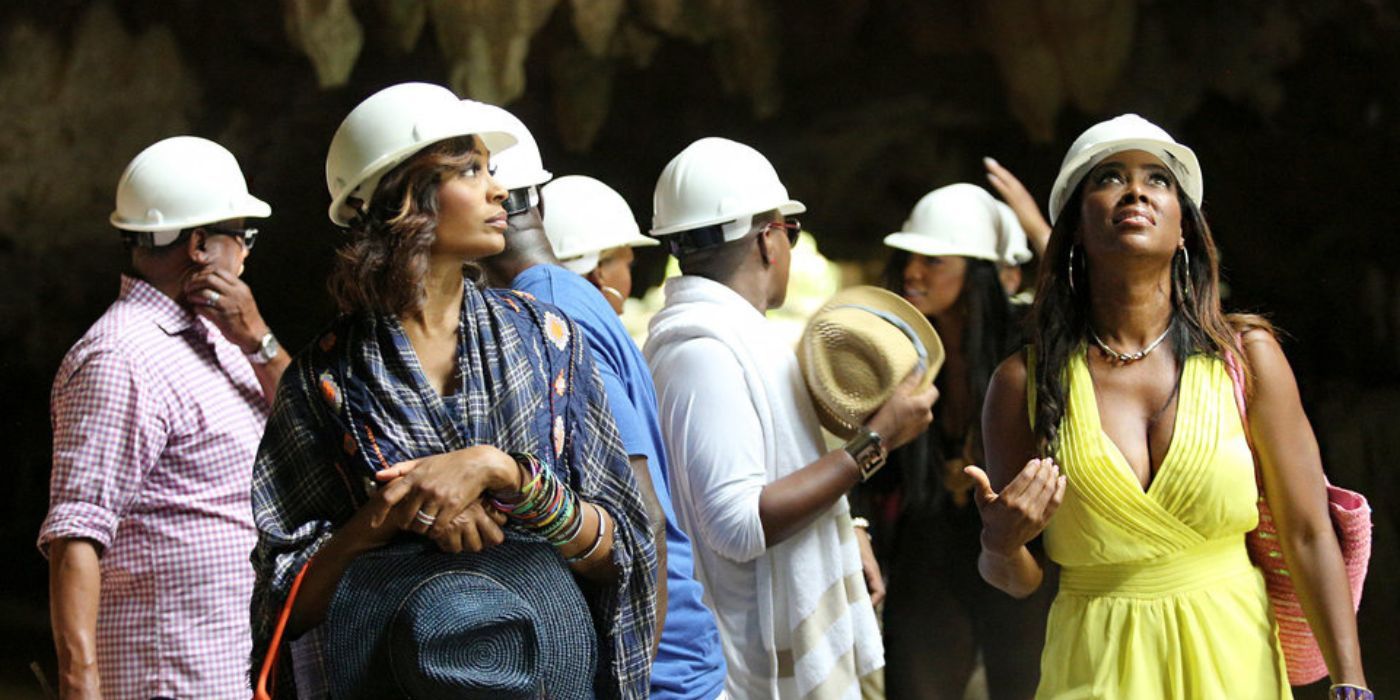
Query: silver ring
[212, 297]
[424, 518]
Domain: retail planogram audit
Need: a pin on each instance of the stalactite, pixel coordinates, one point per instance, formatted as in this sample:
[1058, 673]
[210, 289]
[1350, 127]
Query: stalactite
[1057, 52]
[328, 33]
[402, 22]
[582, 88]
[747, 50]
[486, 43]
[596, 21]
[56, 94]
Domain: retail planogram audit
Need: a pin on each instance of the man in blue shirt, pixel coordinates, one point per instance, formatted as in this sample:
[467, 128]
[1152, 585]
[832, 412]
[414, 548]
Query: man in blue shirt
[689, 661]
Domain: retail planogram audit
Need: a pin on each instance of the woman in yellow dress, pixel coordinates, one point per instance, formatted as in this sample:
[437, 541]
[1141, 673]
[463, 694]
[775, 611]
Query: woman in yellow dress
[1121, 423]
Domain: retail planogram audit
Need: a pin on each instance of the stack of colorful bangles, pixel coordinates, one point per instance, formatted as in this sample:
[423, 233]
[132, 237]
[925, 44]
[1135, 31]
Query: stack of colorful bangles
[548, 507]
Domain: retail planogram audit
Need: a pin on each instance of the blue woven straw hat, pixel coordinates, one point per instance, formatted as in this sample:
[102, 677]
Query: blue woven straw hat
[409, 621]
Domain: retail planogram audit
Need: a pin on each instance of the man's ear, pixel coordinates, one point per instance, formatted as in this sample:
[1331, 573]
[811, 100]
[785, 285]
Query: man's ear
[763, 249]
[595, 277]
[196, 246]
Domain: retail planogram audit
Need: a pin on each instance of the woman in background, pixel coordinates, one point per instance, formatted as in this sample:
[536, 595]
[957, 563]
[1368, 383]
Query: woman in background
[938, 613]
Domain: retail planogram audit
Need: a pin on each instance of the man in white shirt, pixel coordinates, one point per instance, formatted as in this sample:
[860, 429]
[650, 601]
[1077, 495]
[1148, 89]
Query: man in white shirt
[762, 500]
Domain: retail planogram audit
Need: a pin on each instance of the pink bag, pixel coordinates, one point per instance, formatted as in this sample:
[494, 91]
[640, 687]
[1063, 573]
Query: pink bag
[1351, 518]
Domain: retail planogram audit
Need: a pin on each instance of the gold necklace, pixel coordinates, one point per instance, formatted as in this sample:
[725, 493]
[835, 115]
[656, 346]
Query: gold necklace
[1127, 357]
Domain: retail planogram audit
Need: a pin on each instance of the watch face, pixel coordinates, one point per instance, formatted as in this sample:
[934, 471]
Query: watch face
[267, 349]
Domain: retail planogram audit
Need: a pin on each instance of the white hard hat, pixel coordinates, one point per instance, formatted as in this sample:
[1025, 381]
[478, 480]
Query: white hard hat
[390, 126]
[716, 181]
[1127, 132]
[961, 219]
[584, 217]
[179, 183]
[1013, 246]
[521, 166]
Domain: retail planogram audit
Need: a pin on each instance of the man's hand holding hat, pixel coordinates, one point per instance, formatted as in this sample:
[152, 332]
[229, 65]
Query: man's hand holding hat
[906, 413]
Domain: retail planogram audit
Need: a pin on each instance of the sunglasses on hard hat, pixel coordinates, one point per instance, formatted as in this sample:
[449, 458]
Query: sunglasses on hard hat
[249, 235]
[791, 225]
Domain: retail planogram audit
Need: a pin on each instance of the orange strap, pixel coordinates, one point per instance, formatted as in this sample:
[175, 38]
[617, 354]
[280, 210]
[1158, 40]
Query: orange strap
[268, 675]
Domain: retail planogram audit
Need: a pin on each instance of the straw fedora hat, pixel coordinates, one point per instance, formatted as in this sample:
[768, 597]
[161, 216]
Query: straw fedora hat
[858, 346]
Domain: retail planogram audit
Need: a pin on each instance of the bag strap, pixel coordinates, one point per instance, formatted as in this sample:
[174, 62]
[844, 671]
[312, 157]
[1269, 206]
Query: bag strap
[1232, 367]
[267, 676]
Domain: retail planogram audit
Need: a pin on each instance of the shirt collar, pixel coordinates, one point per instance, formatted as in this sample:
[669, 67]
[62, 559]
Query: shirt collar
[693, 288]
[172, 318]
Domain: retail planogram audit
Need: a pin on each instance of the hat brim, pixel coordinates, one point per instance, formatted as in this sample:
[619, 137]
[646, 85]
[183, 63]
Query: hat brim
[628, 240]
[888, 302]
[788, 208]
[249, 207]
[529, 179]
[641, 241]
[373, 591]
[1179, 159]
[930, 246]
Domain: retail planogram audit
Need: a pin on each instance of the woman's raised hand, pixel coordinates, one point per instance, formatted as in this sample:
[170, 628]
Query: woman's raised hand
[441, 496]
[1021, 511]
[1020, 200]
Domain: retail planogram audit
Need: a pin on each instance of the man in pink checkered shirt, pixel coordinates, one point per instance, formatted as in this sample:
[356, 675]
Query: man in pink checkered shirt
[157, 413]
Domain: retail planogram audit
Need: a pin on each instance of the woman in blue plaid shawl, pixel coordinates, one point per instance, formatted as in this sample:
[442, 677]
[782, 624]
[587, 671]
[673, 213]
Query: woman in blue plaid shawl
[406, 414]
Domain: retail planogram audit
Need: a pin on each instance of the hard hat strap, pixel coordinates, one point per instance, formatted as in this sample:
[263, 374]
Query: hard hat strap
[695, 239]
[151, 239]
[708, 236]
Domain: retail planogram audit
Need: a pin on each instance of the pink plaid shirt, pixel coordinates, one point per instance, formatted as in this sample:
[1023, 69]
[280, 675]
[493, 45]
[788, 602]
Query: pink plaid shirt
[156, 421]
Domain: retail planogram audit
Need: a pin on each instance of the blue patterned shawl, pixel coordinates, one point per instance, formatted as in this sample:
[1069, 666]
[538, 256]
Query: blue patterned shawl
[357, 401]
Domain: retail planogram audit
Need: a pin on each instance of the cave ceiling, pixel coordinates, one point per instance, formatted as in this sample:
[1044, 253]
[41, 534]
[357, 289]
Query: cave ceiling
[863, 106]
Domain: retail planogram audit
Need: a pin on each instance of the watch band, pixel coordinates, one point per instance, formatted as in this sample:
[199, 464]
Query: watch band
[868, 451]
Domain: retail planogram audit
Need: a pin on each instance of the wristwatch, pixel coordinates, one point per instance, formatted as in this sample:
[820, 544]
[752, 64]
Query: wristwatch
[868, 451]
[268, 348]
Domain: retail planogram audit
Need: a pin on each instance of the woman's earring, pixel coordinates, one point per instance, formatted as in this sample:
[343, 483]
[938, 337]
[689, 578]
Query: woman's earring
[1071, 269]
[1186, 275]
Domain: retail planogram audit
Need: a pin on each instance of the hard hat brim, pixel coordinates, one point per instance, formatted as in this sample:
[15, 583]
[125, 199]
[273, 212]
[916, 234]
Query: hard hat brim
[788, 208]
[1178, 158]
[927, 245]
[249, 207]
[534, 179]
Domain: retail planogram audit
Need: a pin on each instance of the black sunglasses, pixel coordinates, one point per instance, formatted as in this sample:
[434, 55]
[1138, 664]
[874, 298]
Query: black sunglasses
[249, 235]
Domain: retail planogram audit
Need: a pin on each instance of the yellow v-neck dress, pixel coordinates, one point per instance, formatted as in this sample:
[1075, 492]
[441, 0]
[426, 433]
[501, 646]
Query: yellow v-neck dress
[1158, 598]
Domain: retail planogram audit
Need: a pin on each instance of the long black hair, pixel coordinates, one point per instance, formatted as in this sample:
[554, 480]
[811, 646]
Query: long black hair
[991, 333]
[1060, 318]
